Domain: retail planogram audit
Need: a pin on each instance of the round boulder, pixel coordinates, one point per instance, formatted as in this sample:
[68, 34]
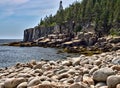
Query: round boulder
[76, 60]
[13, 82]
[113, 80]
[118, 86]
[22, 85]
[102, 74]
[34, 82]
[2, 85]
[79, 85]
[116, 60]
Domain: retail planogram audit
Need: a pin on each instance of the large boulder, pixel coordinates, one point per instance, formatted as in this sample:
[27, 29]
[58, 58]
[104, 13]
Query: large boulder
[63, 75]
[100, 84]
[102, 39]
[33, 82]
[2, 85]
[79, 85]
[116, 60]
[102, 74]
[22, 85]
[13, 82]
[88, 38]
[118, 86]
[38, 66]
[88, 80]
[113, 80]
[76, 61]
[66, 63]
[115, 40]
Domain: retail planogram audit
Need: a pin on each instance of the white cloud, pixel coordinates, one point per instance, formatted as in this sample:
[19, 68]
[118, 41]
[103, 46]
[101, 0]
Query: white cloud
[30, 7]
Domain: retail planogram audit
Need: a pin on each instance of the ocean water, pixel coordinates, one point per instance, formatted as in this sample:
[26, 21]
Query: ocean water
[9, 55]
[3, 41]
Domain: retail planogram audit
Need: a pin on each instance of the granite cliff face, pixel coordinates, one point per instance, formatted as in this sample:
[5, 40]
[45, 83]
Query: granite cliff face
[32, 34]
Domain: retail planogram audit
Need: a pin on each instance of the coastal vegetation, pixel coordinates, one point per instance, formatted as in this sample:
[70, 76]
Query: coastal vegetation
[104, 15]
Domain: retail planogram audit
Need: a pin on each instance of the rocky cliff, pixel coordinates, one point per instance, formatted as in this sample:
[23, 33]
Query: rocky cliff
[32, 34]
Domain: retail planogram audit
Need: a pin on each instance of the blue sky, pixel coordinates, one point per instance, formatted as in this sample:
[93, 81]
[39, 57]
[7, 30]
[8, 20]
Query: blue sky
[18, 15]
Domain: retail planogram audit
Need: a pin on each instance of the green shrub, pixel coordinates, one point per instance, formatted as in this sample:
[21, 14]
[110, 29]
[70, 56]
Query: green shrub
[78, 28]
[115, 32]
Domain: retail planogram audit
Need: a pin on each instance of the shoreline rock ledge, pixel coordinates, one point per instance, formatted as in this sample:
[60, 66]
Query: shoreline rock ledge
[96, 71]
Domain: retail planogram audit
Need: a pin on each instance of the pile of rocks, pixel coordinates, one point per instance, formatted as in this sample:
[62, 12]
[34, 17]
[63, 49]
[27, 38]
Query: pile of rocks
[97, 71]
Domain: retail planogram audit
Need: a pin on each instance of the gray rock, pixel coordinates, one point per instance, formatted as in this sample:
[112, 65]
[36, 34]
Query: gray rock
[64, 75]
[118, 86]
[84, 61]
[38, 66]
[13, 82]
[97, 62]
[2, 85]
[76, 61]
[93, 70]
[102, 74]
[89, 38]
[22, 85]
[38, 71]
[66, 63]
[103, 87]
[46, 86]
[71, 71]
[116, 67]
[113, 80]
[78, 85]
[62, 71]
[43, 78]
[116, 60]
[100, 84]
[70, 81]
[46, 82]
[24, 75]
[79, 78]
[88, 80]
[115, 40]
[34, 82]
[52, 63]
[46, 67]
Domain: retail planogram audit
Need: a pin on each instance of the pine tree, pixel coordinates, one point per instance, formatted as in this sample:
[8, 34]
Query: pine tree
[104, 14]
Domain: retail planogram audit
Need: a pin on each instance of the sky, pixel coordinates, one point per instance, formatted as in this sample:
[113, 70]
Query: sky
[18, 15]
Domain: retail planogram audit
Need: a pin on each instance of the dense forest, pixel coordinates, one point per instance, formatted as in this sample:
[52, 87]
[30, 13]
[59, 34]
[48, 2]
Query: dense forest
[104, 15]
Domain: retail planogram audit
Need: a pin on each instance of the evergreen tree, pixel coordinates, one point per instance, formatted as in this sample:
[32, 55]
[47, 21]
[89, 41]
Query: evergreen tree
[104, 14]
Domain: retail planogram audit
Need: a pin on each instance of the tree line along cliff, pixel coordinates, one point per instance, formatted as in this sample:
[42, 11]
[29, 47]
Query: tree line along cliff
[102, 16]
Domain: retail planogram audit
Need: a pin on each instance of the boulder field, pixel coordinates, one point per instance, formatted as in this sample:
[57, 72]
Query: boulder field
[96, 71]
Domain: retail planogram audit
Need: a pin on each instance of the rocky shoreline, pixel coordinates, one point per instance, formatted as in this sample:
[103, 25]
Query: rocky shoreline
[96, 71]
[84, 43]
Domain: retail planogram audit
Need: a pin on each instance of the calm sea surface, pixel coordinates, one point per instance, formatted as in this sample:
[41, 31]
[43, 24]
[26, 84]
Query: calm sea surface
[9, 55]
